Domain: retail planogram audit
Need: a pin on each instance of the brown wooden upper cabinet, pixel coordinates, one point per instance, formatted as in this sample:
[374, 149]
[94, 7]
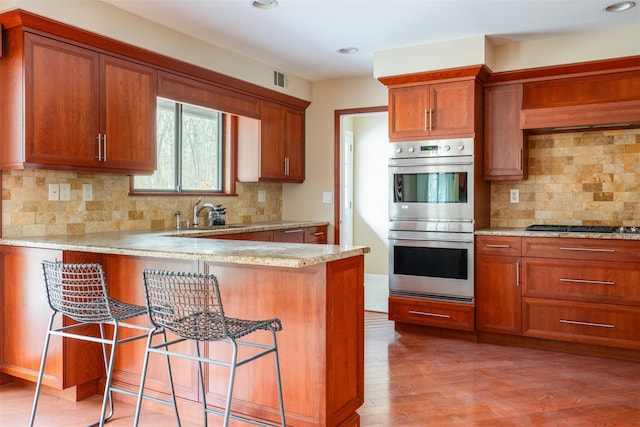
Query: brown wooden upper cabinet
[281, 143]
[505, 154]
[432, 111]
[81, 110]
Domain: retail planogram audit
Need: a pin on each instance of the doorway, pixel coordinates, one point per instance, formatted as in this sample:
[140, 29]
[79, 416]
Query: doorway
[361, 213]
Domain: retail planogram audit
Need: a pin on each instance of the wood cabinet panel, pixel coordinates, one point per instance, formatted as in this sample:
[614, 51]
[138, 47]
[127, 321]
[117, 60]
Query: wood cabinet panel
[293, 235]
[498, 245]
[82, 110]
[432, 313]
[498, 284]
[260, 236]
[25, 315]
[281, 143]
[585, 249]
[316, 234]
[505, 150]
[124, 278]
[128, 115]
[594, 89]
[62, 103]
[597, 324]
[432, 110]
[582, 280]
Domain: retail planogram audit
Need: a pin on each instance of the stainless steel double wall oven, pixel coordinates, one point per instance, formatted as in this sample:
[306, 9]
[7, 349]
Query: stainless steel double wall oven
[431, 219]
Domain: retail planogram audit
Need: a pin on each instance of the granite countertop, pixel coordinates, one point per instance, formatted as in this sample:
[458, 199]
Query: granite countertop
[183, 245]
[521, 232]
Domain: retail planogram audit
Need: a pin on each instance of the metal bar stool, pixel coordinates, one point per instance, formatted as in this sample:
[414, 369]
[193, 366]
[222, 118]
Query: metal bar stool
[189, 305]
[79, 291]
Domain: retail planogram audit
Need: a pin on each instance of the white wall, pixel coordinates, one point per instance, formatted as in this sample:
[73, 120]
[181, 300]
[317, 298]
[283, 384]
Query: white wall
[504, 56]
[304, 201]
[109, 21]
[370, 189]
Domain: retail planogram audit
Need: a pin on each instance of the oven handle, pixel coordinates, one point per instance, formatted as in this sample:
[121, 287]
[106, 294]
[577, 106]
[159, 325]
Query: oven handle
[422, 239]
[432, 164]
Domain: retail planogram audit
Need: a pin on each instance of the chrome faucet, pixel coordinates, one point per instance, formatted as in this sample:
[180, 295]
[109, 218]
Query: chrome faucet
[197, 210]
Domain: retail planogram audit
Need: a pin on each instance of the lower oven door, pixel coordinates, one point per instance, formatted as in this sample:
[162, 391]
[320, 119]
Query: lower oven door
[431, 265]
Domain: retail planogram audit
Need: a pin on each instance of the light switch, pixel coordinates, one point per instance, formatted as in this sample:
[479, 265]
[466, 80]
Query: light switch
[261, 196]
[87, 192]
[327, 197]
[65, 191]
[54, 192]
[514, 195]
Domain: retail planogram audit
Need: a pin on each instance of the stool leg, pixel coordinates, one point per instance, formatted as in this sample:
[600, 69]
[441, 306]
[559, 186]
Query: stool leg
[107, 388]
[232, 375]
[278, 380]
[170, 377]
[41, 372]
[201, 381]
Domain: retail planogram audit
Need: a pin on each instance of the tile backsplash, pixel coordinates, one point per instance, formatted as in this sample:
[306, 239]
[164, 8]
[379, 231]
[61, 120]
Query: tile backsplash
[579, 178]
[26, 210]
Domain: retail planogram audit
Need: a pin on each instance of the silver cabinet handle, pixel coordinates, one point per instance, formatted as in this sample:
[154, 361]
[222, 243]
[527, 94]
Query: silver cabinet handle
[430, 119]
[424, 120]
[99, 138]
[498, 246]
[422, 313]
[319, 233]
[293, 231]
[593, 282]
[286, 166]
[517, 273]
[588, 249]
[597, 325]
[104, 141]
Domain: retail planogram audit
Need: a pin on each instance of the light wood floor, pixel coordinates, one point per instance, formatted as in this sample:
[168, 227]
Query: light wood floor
[416, 380]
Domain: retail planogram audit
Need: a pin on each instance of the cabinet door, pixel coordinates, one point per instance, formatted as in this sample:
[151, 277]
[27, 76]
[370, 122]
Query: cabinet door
[128, 115]
[271, 142]
[62, 103]
[408, 112]
[498, 297]
[504, 150]
[294, 152]
[452, 109]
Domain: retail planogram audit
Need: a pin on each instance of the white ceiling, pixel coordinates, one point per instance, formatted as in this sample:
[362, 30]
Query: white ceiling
[302, 36]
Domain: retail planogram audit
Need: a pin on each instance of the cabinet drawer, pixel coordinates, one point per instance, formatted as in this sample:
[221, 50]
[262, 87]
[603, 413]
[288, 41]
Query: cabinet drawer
[587, 249]
[432, 313]
[315, 235]
[292, 235]
[582, 280]
[498, 245]
[588, 323]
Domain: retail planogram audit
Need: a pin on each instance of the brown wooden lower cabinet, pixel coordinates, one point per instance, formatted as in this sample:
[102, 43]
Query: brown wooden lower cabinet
[25, 312]
[427, 312]
[562, 289]
[321, 346]
[314, 234]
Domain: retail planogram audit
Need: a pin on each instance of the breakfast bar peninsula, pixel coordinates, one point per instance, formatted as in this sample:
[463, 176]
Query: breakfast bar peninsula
[316, 290]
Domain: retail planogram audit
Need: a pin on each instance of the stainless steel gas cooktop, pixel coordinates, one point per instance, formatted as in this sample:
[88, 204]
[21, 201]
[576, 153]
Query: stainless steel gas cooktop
[582, 228]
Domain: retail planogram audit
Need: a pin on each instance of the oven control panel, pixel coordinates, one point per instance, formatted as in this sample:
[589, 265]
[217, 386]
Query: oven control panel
[435, 148]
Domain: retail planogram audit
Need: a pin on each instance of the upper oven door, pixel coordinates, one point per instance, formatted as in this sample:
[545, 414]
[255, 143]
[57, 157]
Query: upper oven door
[431, 188]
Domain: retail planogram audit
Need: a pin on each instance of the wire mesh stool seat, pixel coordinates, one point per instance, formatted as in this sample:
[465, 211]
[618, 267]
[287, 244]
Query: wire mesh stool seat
[79, 291]
[189, 305]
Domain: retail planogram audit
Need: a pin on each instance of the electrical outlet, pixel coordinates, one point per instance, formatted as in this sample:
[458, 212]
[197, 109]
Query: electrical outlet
[327, 197]
[54, 192]
[65, 191]
[87, 192]
[261, 196]
[514, 195]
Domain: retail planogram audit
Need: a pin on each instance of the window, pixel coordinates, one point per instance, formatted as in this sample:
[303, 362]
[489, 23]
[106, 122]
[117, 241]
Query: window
[190, 144]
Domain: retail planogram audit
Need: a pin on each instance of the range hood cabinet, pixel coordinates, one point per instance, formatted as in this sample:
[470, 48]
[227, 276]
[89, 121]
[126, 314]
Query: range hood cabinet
[610, 100]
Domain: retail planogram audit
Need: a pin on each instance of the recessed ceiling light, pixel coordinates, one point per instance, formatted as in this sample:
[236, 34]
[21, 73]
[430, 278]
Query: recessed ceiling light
[265, 4]
[620, 6]
[348, 50]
